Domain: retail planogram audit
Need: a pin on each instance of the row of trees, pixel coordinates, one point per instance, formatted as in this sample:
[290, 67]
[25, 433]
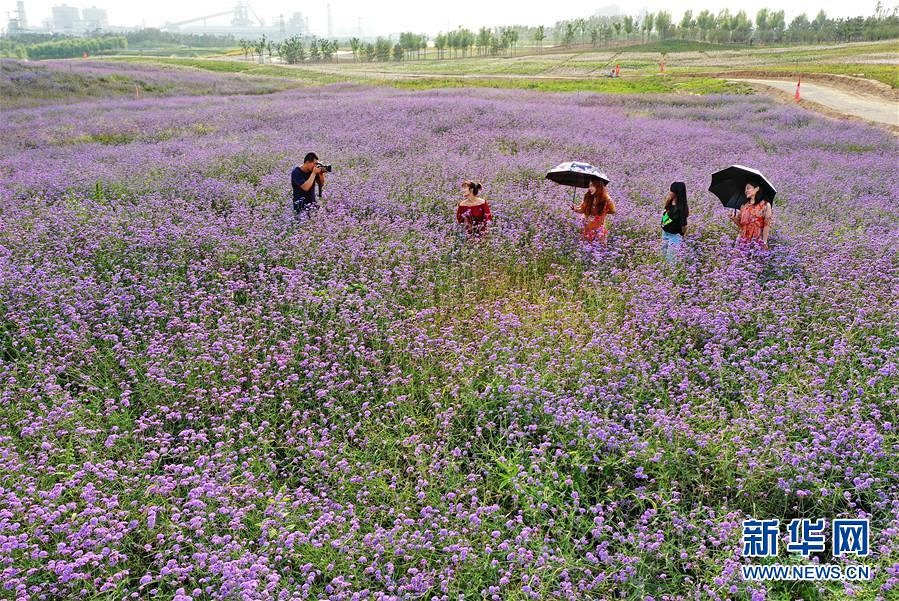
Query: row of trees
[63, 47]
[55, 45]
[410, 45]
[462, 42]
[293, 50]
[150, 36]
[486, 42]
[768, 26]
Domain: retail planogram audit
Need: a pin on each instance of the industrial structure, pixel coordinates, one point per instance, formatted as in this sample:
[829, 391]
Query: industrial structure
[244, 23]
[65, 19]
[18, 23]
[94, 18]
[239, 21]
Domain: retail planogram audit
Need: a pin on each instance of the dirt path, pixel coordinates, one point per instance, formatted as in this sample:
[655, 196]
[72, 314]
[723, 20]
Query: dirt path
[863, 106]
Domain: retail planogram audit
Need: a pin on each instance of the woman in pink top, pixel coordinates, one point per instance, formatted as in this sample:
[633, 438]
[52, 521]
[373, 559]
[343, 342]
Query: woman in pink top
[595, 206]
[755, 216]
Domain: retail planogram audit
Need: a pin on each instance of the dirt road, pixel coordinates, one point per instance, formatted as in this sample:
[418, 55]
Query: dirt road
[864, 106]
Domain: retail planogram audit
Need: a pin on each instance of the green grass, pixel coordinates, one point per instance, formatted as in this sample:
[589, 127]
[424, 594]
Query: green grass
[641, 85]
[656, 84]
[167, 51]
[806, 53]
[244, 67]
[682, 46]
[888, 74]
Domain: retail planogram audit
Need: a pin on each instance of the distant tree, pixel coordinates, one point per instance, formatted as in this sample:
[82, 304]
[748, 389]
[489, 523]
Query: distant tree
[512, 39]
[422, 47]
[291, 50]
[582, 27]
[705, 22]
[647, 24]
[354, 46]
[741, 27]
[398, 52]
[440, 43]
[485, 36]
[383, 48]
[568, 36]
[467, 41]
[777, 24]
[799, 28]
[761, 25]
[260, 47]
[409, 42]
[328, 48]
[663, 23]
[820, 21]
[687, 24]
[539, 36]
[245, 45]
[628, 26]
[496, 44]
[315, 54]
[723, 24]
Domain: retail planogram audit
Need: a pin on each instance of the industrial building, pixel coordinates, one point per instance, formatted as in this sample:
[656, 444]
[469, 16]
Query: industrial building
[94, 18]
[239, 21]
[65, 19]
[244, 22]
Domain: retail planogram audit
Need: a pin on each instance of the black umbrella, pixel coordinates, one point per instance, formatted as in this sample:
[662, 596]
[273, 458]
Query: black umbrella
[577, 174]
[729, 185]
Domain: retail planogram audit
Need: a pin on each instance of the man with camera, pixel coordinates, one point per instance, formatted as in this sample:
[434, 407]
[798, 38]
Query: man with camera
[303, 179]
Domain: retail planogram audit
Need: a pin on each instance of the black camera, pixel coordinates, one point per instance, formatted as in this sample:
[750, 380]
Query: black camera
[325, 168]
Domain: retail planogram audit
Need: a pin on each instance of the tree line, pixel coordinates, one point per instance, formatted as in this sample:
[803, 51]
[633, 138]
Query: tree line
[767, 26]
[67, 47]
[297, 49]
[54, 45]
[151, 35]
[292, 50]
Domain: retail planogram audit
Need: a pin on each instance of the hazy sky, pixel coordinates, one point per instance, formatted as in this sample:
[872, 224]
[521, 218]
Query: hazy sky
[387, 16]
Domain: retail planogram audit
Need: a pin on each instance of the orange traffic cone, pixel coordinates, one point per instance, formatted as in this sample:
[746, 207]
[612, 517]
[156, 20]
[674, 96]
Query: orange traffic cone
[798, 83]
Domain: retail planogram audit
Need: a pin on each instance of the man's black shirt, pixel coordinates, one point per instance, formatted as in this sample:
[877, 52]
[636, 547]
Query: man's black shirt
[301, 198]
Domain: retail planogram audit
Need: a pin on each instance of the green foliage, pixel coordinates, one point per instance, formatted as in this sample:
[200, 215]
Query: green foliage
[291, 50]
[644, 85]
[12, 49]
[678, 45]
[153, 37]
[72, 47]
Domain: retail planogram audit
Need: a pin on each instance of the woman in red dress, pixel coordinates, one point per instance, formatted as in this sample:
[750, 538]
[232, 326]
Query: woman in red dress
[595, 206]
[755, 217]
[473, 211]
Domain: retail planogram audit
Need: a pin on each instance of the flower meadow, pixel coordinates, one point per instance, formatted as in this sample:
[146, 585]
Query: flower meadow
[204, 397]
[25, 83]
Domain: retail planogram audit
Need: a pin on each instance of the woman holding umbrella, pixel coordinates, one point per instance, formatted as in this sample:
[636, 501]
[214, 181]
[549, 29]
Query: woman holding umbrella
[595, 206]
[755, 216]
[750, 195]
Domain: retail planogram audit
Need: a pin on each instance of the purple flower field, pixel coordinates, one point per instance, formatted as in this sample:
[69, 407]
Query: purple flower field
[24, 83]
[203, 398]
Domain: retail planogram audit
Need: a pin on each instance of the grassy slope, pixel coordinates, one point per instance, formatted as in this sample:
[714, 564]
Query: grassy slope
[651, 84]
